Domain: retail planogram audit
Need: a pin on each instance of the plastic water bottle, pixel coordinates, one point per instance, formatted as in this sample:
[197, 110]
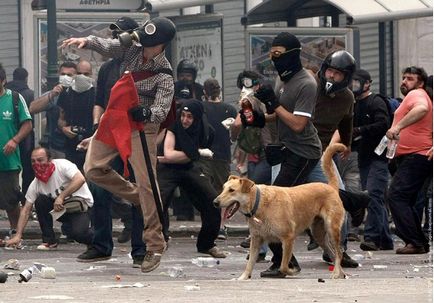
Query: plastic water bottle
[381, 146]
[205, 262]
[391, 149]
[176, 271]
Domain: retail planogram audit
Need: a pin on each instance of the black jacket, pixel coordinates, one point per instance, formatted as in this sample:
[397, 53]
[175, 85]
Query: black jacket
[371, 116]
[22, 88]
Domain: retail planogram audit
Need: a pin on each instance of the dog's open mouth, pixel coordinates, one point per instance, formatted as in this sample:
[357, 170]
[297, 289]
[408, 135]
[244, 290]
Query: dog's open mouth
[231, 210]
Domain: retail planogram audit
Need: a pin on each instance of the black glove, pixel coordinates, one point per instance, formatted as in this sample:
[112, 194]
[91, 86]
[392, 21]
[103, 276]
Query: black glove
[140, 113]
[258, 119]
[266, 95]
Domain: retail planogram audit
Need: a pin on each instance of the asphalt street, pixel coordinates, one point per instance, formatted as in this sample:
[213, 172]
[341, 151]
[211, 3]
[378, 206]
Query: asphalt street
[382, 277]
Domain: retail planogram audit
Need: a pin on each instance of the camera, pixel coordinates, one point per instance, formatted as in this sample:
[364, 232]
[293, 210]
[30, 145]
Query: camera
[79, 130]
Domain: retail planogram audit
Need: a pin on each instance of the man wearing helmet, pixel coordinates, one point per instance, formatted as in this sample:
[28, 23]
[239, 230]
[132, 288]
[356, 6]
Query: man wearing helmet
[186, 87]
[334, 111]
[155, 95]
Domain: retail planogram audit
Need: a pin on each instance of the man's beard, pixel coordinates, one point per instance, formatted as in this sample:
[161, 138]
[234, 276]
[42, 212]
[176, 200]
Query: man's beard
[404, 90]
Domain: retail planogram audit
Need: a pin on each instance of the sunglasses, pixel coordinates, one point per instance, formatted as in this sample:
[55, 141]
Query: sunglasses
[276, 54]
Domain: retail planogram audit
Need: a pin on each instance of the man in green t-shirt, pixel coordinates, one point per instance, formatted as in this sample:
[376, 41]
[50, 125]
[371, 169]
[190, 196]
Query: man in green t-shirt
[13, 130]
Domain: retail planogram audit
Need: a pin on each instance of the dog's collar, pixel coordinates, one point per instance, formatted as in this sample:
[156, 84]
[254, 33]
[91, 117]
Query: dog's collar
[255, 207]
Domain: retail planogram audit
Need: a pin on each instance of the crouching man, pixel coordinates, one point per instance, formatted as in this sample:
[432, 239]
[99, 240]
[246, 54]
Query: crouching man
[58, 185]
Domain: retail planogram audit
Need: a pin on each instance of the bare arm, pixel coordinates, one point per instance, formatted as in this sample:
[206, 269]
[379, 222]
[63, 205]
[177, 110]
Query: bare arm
[295, 122]
[414, 115]
[12, 144]
[40, 104]
[170, 154]
[106, 47]
[97, 113]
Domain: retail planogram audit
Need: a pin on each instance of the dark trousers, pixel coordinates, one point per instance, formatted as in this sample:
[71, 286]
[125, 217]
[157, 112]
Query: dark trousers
[103, 223]
[195, 182]
[374, 178]
[76, 225]
[411, 173]
[294, 171]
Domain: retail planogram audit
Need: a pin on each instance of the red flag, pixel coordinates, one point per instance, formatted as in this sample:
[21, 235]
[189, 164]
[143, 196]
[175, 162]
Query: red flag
[116, 125]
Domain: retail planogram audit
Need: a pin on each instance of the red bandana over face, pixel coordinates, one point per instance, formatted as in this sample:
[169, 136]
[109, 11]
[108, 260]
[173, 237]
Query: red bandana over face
[43, 171]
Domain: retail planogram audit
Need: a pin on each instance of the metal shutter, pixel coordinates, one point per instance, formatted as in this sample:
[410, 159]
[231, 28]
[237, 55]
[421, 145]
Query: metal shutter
[9, 36]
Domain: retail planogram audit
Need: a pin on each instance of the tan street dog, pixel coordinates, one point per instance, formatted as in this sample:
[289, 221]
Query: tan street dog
[279, 214]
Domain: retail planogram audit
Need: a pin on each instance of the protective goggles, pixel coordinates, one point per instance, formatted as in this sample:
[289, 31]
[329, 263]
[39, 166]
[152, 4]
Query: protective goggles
[276, 54]
[248, 83]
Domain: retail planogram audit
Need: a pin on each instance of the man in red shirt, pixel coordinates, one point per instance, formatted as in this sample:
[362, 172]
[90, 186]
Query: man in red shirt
[412, 127]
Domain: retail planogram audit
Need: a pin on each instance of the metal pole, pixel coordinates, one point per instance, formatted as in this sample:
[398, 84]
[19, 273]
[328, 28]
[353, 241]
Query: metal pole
[52, 76]
[151, 176]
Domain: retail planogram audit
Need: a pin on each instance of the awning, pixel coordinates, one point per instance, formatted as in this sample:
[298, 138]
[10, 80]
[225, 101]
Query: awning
[358, 11]
[161, 5]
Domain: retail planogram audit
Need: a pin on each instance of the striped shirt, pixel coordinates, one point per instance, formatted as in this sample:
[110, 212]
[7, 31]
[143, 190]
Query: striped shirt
[155, 92]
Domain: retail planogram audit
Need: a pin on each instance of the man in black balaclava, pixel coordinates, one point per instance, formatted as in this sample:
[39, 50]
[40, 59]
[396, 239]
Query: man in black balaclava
[292, 103]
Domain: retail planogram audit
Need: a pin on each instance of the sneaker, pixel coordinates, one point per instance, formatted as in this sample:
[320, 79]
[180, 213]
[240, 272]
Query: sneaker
[92, 255]
[124, 236]
[312, 245]
[245, 243]
[215, 252]
[346, 261]
[150, 261]
[137, 261]
[222, 234]
[46, 246]
[369, 246]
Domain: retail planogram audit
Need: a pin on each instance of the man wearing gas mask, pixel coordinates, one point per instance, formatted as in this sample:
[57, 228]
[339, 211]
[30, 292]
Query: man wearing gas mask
[75, 116]
[142, 51]
[54, 139]
[186, 87]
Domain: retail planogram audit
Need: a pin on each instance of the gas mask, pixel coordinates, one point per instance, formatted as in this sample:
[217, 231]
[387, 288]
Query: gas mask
[65, 80]
[81, 83]
[245, 91]
[357, 87]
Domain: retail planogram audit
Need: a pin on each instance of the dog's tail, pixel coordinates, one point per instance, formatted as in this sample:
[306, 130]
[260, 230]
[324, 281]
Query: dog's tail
[327, 163]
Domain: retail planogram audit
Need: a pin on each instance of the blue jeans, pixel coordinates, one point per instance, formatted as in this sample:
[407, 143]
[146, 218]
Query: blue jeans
[317, 175]
[374, 179]
[259, 172]
[406, 183]
[102, 223]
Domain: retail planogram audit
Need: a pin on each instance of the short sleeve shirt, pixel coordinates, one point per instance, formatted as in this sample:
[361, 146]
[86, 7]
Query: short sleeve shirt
[298, 96]
[59, 180]
[8, 128]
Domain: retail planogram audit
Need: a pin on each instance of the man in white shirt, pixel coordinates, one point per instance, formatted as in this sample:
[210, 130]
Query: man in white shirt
[56, 181]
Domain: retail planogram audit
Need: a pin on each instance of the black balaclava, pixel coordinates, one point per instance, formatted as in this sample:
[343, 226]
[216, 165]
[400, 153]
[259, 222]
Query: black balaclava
[287, 65]
[189, 140]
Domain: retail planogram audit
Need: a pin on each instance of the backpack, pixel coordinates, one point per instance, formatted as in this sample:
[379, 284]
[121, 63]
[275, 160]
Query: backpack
[391, 105]
[15, 100]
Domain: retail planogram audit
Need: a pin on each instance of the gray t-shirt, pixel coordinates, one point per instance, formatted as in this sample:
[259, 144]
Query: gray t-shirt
[298, 96]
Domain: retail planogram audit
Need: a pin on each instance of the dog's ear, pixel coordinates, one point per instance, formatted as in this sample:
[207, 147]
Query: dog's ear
[233, 177]
[246, 185]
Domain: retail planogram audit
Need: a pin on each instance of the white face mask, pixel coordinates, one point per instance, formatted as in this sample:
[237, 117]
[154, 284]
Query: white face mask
[245, 92]
[81, 83]
[65, 80]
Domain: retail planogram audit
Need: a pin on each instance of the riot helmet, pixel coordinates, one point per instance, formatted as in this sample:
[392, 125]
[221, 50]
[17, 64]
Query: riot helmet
[342, 61]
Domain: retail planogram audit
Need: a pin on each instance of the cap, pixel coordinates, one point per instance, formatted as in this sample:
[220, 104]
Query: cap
[362, 74]
[124, 23]
[287, 40]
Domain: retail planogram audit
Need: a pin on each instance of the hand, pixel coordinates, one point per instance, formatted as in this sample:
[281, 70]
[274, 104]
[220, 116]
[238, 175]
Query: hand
[429, 154]
[84, 144]
[15, 240]
[345, 154]
[10, 147]
[58, 204]
[266, 95]
[57, 90]
[205, 152]
[79, 42]
[257, 121]
[393, 133]
[227, 123]
[140, 113]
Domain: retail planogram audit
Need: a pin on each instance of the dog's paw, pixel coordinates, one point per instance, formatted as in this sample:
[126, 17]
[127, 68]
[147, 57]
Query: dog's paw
[338, 275]
[244, 277]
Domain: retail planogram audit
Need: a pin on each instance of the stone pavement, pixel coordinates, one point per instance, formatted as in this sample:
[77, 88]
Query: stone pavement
[382, 277]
